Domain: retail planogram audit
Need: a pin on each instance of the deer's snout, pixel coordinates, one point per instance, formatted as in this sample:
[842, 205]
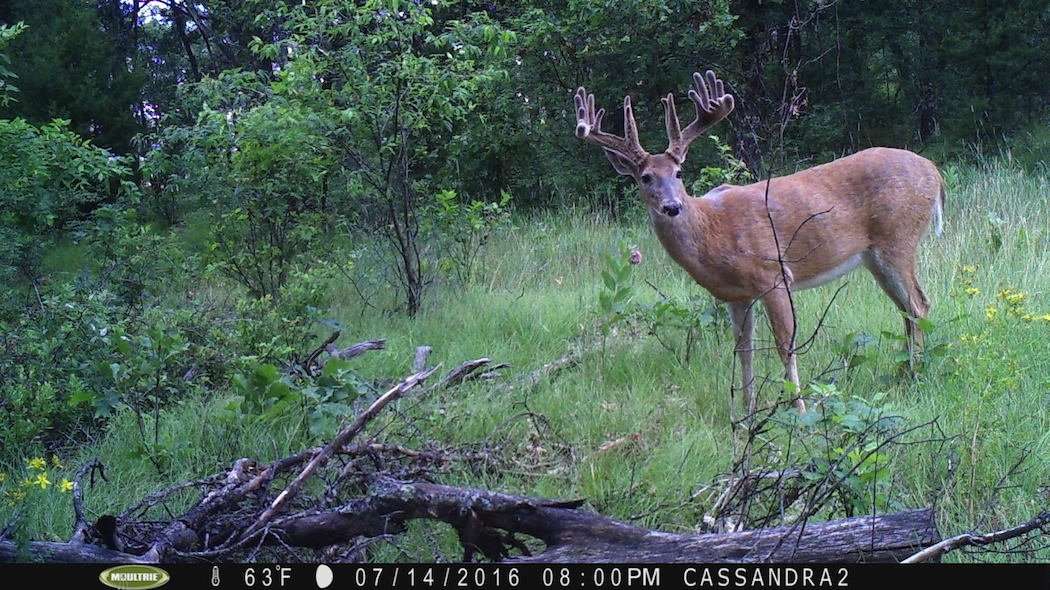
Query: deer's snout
[671, 209]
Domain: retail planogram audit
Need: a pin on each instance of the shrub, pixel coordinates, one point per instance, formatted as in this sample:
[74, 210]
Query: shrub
[49, 176]
[463, 228]
[263, 393]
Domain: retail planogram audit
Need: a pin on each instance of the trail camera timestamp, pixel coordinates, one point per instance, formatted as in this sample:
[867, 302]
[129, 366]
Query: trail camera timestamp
[508, 577]
[600, 577]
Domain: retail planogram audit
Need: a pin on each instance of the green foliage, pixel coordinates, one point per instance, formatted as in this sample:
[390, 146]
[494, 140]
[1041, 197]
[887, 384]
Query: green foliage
[48, 366]
[50, 175]
[391, 135]
[615, 300]
[666, 319]
[935, 347]
[7, 88]
[272, 330]
[264, 392]
[323, 401]
[463, 229]
[145, 373]
[145, 370]
[730, 170]
[846, 445]
[136, 259]
[74, 63]
[855, 349]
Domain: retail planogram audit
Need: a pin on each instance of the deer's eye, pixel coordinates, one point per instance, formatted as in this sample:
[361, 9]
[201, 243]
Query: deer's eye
[678, 174]
[647, 178]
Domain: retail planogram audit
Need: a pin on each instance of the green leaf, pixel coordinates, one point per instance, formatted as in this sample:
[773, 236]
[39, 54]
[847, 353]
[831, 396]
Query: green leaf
[926, 325]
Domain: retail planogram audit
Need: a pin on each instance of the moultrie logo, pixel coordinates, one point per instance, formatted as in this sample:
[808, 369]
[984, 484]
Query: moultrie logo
[134, 577]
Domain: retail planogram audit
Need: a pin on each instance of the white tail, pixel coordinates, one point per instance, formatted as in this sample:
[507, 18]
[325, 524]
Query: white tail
[938, 214]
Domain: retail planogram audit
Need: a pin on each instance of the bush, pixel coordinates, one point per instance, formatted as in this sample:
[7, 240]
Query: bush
[49, 178]
[48, 368]
[265, 394]
[463, 228]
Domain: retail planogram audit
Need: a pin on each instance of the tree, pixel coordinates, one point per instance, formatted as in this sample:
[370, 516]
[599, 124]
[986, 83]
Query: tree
[69, 67]
[397, 136]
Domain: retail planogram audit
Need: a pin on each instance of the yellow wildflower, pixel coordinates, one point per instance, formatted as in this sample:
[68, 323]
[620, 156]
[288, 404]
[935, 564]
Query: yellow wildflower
[66, 485]
[38, 463]
[973, 291]
[1044, 317]
[969, 269]
[991, 312]
[55, 462]
[1012, 297]
[42, 481]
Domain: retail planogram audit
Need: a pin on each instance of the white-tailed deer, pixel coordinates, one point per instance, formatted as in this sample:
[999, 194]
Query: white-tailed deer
[871, 208]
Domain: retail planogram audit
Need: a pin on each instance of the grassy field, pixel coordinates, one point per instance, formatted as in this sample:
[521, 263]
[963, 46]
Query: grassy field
[536, 298]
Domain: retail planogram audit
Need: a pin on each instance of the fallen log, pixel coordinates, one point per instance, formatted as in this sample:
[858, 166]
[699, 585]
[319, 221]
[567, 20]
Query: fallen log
[574, 535]
[50, 552]
[487, 522]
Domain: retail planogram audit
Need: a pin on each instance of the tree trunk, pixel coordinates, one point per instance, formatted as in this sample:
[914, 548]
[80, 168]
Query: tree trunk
[179, 18]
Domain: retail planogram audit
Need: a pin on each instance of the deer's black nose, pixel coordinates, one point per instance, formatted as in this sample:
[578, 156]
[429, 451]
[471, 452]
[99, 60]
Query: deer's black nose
[672, 210]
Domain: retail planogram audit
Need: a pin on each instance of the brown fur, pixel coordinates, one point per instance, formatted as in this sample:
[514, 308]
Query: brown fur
[871, 208]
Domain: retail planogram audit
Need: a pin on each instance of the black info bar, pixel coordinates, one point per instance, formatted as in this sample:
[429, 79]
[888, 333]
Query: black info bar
[525, 576]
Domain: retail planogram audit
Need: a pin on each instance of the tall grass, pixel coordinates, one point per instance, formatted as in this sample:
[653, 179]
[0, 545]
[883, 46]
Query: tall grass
[535, 298]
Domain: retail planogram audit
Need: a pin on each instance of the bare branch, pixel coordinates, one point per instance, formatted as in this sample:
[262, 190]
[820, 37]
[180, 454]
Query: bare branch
[1040, 523]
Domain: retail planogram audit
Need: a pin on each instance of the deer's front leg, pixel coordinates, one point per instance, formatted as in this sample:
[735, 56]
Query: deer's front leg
[742, 316]
[782, 322]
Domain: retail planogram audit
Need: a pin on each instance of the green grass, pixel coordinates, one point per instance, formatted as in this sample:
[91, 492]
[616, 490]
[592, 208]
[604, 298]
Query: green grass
[536, 297]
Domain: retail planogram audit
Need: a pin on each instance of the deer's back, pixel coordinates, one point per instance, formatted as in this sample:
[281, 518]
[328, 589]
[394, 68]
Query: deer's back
[825, 216]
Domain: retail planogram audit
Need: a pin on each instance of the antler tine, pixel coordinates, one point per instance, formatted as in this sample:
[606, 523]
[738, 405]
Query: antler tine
[630, 127]
[674, 127]
[712, 105]
[589, 127]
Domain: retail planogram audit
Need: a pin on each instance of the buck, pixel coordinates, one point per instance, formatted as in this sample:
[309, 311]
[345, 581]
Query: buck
[762, 241]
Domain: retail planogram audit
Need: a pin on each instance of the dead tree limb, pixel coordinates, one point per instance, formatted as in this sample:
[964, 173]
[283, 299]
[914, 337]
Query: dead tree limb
[312, 358]
[574, 535]
[245, 478]
[80, 523]
[337, 443]
[934, 552]
[461, 373]
[64, 553]
[356, 349]
[420, 361]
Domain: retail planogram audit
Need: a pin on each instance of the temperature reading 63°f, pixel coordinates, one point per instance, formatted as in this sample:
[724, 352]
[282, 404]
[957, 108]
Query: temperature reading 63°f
[267, 576]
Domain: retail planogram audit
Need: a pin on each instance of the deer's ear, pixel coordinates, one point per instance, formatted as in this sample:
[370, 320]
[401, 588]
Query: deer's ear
[622, 164]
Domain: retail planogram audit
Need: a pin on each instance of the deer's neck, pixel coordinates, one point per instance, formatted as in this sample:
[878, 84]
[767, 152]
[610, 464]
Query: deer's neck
[683, 236]
[680, 234]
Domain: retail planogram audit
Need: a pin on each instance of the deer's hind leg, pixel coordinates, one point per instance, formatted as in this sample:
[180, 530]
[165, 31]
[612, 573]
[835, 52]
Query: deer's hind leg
[896, 275]
[782, 323]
